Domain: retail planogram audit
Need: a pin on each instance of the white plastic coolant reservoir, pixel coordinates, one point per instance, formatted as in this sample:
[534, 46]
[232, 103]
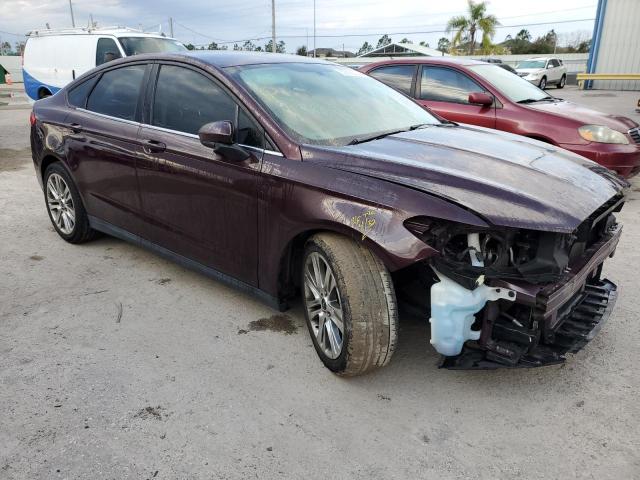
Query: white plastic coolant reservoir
[452, 312]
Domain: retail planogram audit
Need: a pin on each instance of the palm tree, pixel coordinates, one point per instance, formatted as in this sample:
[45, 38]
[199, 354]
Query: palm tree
[466, 27]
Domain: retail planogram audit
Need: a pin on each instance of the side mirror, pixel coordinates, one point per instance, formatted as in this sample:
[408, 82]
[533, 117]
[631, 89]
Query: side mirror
[481, 98]
[219, 136]
[218, 133]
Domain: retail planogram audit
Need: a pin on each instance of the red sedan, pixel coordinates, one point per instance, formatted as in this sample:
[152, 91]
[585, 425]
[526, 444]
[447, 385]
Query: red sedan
[479, 93]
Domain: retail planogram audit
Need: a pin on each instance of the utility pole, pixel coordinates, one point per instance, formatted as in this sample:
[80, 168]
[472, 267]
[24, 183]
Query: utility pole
[73, 20]
[273, 26]
[314, 28]
[91, 25]
[171, 27]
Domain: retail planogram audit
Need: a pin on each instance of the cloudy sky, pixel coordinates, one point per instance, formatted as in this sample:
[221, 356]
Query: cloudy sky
[338, 22]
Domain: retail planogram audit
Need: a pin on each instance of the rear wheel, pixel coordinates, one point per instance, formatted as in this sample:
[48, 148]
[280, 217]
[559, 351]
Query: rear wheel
[350, 305]
[543, 83]
[64, 205]
[562, 81]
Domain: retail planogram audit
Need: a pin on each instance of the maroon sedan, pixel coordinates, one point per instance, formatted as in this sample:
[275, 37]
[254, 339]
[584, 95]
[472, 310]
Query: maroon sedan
[288, 176]
[479, 93]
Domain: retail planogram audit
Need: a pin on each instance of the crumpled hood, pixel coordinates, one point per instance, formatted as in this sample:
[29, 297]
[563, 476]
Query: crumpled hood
[509, 180]
[583, 115]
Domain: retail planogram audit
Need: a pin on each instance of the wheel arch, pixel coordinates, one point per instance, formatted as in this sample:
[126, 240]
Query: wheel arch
[290, 258]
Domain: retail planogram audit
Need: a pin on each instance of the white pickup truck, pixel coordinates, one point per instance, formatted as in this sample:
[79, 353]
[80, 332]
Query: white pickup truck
[543, 71]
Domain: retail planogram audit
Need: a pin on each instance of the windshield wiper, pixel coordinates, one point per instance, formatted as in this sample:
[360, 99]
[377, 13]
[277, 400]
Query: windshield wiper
[378, 136]
[533, 100]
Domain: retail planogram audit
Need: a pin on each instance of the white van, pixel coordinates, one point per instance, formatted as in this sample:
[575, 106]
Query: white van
[53, 58]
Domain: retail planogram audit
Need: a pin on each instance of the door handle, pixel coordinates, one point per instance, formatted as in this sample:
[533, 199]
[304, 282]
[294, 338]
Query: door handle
[76, 127]
[153, 146]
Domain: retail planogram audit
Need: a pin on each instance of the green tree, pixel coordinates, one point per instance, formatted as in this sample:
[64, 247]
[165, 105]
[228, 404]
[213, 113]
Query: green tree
[302, 51]
[523, 35]
[236, 47]
[466, 27]
[425, 44]
[365, 48]
[249, 46]
[280, 47]
[443, 44]
[190, 46]
[212, 46]
[384, 41]
[405, 40]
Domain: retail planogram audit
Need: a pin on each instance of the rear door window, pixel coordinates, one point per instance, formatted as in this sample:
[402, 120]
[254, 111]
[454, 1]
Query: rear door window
[116, 93]
[399, 77]
[185, 100]
[446, 85]
[106, 50]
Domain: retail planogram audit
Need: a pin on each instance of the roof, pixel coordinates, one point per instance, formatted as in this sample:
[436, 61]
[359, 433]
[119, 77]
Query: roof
[430, 60]
[116, 31]
[396, 49]
[231, 58]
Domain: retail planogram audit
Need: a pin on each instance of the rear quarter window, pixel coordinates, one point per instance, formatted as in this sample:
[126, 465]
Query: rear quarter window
[77, 96]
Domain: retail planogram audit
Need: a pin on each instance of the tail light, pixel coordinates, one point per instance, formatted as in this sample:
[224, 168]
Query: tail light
[32, 118]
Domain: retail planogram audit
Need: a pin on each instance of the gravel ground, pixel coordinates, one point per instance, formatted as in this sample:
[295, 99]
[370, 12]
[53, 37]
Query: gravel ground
[115, 363]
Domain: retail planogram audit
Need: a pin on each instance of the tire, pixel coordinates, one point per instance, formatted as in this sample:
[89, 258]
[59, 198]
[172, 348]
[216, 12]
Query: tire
[543, 83]
[64, 205]
[562, 82]
[366, 299]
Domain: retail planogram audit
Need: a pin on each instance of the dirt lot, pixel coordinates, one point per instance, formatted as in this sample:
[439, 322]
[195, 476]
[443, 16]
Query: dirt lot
[115, 363]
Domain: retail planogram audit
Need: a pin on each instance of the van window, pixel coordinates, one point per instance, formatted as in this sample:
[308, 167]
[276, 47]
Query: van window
[399, 77]
[185, 100]
[117, 92]
[106, 51]
[138, 45]
[446, 85]
[77, 96]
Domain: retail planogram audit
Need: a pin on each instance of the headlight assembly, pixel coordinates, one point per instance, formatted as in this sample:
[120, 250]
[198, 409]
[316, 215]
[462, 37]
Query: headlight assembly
[602, 134]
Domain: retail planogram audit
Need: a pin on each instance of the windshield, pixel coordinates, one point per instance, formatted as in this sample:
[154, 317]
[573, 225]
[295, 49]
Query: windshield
[531, 64]
[138, 45]
[326, 104]
[511, 86]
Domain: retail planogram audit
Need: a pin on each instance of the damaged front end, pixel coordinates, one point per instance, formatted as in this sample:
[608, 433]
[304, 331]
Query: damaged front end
[508, 297]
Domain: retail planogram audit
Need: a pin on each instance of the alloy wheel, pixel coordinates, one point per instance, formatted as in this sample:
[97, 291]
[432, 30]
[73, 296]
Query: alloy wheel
[60, 204]
[323, 304]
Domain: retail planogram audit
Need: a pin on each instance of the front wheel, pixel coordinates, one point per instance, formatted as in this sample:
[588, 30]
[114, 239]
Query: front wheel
[543, 83]
[350, 305]
[562, 82]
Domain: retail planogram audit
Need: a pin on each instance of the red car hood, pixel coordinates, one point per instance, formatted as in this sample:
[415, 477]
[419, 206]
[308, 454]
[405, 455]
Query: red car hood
[584, 115]
[507, 179]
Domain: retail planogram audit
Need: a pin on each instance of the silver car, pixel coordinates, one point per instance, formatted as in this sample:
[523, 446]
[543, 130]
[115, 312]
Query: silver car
[543, 71]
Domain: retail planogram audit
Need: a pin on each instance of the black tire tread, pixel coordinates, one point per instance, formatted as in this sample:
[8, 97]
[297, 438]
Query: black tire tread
[368, 298]
[82, 232]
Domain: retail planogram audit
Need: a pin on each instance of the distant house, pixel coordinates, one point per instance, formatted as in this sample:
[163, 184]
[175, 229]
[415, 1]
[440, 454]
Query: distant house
[330, 52]
[403, 50]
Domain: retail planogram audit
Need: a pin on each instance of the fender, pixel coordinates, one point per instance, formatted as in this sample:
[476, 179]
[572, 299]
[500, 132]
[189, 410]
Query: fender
[294, 203]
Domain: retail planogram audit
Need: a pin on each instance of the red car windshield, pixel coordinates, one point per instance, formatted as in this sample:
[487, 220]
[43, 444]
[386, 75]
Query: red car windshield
[511, 86]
